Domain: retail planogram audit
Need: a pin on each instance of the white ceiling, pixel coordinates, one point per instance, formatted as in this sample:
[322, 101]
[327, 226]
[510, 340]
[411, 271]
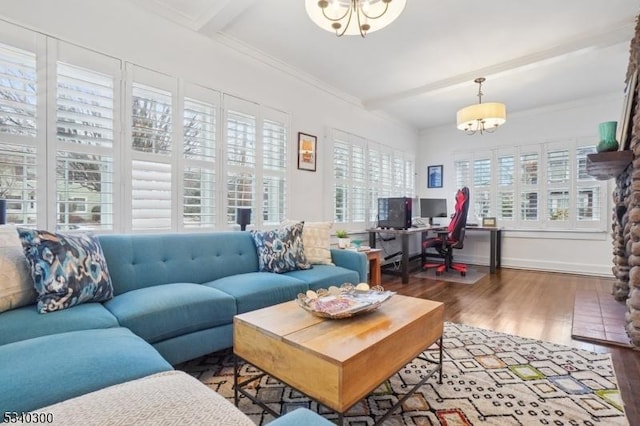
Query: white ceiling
[421, 68]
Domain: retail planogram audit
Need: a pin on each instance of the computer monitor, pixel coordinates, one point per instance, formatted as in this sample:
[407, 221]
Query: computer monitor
[433, 207]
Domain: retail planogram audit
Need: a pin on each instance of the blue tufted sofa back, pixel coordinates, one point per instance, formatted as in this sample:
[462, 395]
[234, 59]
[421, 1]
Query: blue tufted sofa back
[144, 260]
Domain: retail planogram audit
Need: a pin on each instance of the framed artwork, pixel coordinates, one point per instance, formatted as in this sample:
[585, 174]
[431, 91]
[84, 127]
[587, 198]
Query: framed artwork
[488, 222]
[434, 176]
[307, 152]
[624, 135]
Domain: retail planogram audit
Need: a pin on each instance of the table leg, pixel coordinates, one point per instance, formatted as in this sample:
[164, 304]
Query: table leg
[374, 269]
[492, 251]
[405, 259]
[499, 248]
[235, 380]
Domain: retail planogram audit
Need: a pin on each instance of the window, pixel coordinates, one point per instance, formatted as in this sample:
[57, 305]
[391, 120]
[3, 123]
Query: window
[556, 193]
[362, 171]
[256, 161]
[18, 133]
[151, 148]
[200, 124]
[85, 105]
[274, 154]
[90, 142]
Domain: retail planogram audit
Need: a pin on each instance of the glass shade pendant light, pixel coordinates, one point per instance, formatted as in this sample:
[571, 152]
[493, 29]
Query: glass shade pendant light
[353, 17]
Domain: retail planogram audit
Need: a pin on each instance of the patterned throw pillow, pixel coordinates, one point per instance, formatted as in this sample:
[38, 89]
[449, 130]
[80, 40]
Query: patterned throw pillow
[316, 237]
[16, 284]
[67, 269]
[281, 250]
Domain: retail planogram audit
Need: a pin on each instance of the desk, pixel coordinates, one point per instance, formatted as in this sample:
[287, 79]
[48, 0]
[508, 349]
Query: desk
[495, 244]
[404, 235]
[495, 239]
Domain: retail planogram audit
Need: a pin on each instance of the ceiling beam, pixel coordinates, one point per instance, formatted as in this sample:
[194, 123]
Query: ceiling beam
[224, 12]
[619, 33]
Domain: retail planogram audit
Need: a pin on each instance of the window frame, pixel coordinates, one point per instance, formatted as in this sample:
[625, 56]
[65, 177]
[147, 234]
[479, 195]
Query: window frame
[542, 186]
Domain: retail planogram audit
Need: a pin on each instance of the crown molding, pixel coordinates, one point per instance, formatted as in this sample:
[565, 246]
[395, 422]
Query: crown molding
[285, 68]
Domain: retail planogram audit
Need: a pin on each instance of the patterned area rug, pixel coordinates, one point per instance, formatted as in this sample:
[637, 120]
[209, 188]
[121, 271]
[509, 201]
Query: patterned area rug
[489, 378]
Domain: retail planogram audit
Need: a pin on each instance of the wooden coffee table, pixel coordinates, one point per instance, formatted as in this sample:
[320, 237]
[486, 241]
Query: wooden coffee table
[337, 362]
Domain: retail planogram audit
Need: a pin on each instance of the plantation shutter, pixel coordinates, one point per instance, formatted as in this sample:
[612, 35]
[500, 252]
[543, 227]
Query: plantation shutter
[275, 125]
[241, 149]
[341, 175]
[152, 139]
[558, 198]
[481, 192]
[589, 192]
[86, 97]
[506, 190]
[19, 133]
[200, 111]
[463, 173]
[529, 188]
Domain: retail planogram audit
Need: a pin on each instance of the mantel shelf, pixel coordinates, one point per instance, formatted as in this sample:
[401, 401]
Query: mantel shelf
[608, 165]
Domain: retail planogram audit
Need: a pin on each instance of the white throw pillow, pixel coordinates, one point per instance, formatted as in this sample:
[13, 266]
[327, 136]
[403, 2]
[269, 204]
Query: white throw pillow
[16, 284]
[316, 238]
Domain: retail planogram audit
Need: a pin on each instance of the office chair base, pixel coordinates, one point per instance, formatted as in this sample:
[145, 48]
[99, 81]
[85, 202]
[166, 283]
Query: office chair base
[442, 267]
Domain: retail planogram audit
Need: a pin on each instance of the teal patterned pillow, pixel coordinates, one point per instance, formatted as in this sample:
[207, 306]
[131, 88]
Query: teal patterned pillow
[281, 250]
[67, 269]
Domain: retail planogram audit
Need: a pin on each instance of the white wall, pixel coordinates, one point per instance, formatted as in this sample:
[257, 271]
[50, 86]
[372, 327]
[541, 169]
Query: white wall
[122, 30]
[575, 252]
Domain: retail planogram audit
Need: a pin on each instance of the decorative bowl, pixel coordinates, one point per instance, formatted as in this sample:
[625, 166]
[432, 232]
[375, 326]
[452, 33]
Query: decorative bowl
[345, 301]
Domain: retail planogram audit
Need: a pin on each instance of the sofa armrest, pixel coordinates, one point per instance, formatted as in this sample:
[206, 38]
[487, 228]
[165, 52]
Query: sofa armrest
[356, 261]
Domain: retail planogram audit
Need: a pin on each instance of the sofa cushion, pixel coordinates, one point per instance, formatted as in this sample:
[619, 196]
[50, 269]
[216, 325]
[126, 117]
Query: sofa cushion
[323, 276]
[259, 289]
[165, 311]
[26, 323]
[171, 397]
[139, 261]
[67, 269]
[38, 372]
[281, 250]
[16, 284]
[316, 237]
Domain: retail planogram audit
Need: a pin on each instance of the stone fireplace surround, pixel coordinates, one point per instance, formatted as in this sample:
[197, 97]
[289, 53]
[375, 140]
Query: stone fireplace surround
[626, 214]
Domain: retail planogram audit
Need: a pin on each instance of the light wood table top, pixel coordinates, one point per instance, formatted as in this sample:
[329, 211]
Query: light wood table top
[337, 362]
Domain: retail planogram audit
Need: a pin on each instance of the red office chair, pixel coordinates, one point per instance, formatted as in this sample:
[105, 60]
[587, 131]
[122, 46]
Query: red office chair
[451, 238]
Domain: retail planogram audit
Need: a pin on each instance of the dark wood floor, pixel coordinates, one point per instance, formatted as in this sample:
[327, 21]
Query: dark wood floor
[538, 305]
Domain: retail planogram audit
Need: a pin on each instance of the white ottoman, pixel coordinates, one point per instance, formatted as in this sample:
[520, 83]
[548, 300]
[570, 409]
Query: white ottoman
[171, 397]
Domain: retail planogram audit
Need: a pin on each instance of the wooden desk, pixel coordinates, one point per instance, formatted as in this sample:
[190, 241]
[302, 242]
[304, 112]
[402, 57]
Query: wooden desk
[495, 240]
[375, 264]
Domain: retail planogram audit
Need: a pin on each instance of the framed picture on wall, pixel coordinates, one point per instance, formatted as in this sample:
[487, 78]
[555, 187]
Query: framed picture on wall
[434, 176]
[307, 152]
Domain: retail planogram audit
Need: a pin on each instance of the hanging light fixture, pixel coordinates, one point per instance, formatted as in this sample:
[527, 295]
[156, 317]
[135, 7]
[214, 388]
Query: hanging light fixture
[353, 17]
[481, 117]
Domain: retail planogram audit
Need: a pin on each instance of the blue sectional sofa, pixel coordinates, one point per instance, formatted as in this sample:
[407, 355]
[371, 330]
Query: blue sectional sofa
[174, 299]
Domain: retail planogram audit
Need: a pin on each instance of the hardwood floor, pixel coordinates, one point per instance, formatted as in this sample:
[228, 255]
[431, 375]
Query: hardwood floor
[532, 304]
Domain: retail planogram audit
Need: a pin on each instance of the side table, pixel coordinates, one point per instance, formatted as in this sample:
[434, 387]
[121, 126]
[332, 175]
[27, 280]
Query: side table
[375, 263]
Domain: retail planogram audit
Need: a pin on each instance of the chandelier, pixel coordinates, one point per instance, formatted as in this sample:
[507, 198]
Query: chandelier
[353, 17]
[481, 117]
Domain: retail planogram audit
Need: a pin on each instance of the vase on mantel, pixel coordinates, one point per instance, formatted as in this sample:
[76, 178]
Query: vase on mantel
[608, 140]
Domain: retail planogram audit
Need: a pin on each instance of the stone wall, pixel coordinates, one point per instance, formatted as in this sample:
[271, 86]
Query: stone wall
[626, 214]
